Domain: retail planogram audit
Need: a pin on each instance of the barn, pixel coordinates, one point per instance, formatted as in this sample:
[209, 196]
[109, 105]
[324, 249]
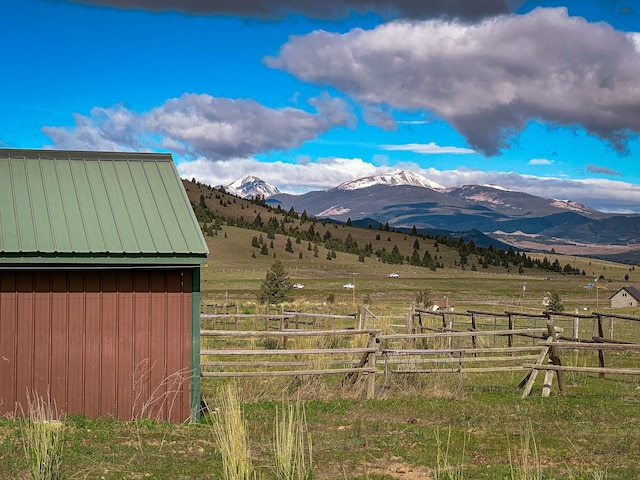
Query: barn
[100, 257]
[627, 296]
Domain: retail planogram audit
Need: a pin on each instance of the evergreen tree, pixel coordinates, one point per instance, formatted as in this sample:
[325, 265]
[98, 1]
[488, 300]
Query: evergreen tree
[289, 246]
[276, 285]
[555, 303]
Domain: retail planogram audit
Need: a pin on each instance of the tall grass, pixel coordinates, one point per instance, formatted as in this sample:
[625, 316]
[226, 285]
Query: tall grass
[292, 446]
[444, 470]
[230, 436]
[525, 464]
[42, 435]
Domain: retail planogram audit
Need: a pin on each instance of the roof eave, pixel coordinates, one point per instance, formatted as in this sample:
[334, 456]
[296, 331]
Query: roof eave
[110, 261]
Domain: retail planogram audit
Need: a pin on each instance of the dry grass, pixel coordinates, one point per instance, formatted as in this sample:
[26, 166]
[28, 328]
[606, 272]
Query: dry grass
[292, 445]
[43, 438]
[230, 436]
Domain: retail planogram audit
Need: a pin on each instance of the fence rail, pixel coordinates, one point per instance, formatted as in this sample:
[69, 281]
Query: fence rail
[451, 345]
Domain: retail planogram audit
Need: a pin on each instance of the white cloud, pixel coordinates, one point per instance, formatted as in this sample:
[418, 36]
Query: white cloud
[485, 79]
[294, 178]
[540, 161]
[634, 37]
[203, 126]
[326, 173]
[428, 148]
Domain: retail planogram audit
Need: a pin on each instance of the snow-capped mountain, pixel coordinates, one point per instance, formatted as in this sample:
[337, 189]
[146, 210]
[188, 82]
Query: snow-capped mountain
[250, 187]
[404, 200]
[399, 177]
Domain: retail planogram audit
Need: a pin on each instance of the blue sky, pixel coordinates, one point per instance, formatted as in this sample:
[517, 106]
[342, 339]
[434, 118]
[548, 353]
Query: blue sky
[538, 96]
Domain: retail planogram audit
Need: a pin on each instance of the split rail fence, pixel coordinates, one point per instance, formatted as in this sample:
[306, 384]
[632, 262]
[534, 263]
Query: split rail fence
[433, 342]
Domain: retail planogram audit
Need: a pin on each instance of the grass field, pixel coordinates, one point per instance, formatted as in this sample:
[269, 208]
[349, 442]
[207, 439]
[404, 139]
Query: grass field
[439, 426]
[232, 276]
[592, 432]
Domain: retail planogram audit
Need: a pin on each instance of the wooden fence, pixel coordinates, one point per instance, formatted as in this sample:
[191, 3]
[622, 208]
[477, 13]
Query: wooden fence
[279, 321]
[462, 343]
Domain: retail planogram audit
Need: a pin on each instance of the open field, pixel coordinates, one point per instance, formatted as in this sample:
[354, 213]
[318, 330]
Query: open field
[233, 276]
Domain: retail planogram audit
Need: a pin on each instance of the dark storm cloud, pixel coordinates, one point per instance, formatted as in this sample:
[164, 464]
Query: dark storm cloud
[330, 9]
[603, 170]
[488, 79]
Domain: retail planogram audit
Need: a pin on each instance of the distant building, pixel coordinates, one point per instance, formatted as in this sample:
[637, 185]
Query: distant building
[444, 305]
[627, 296]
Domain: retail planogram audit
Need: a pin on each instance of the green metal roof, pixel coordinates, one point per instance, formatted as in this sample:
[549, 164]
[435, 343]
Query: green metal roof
[95, 207]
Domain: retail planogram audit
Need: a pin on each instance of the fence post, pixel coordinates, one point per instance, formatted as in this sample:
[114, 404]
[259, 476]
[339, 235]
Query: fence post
[284, 324]
[610, 328]
[473, 327]
[555, 356]
[576, 325]
[510, 337]
[371, 363]
[600, 352]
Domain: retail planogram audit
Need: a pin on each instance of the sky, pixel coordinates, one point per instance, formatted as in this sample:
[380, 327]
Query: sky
[539, 96]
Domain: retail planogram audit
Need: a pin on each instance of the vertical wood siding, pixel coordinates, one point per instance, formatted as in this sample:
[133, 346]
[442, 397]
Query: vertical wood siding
[112, 342]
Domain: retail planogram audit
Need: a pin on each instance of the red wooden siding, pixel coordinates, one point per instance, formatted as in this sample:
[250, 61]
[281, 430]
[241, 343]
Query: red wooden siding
[111, 342]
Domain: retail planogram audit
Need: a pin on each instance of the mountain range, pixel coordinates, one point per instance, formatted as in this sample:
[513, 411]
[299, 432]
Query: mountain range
[405, 199]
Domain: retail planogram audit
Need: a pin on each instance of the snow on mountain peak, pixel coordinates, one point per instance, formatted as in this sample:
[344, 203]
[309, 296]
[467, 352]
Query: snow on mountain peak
[399, 177]
[573, 206]
[250, 187]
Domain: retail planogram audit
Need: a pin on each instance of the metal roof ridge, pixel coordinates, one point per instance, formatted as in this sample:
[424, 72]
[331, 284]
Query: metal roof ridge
[51, 154]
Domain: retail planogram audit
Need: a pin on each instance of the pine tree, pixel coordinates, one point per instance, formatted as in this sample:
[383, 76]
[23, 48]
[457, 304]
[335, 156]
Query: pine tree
[289, 246]
[276, 285]
[555, 303]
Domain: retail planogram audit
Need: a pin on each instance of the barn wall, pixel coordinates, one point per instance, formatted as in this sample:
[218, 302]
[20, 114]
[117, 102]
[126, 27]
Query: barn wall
[109, 342]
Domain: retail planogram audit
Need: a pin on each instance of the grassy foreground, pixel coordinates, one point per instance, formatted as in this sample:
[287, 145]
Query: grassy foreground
[468, 430]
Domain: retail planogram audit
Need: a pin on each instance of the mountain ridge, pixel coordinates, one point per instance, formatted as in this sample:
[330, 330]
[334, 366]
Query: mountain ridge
[404, 199]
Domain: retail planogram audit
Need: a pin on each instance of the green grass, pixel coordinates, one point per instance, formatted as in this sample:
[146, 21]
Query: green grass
[592, 430]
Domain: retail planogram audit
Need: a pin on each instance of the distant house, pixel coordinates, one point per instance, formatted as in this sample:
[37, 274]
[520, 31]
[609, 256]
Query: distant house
[100, 257]
[627, 296]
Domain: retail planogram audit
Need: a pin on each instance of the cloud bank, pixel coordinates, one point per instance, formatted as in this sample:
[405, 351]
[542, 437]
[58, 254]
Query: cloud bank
[323, 174]
[487, 79]
[328, 9]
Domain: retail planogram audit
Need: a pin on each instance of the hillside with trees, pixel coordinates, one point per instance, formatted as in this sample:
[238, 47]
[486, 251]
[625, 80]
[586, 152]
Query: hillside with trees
[216, 208]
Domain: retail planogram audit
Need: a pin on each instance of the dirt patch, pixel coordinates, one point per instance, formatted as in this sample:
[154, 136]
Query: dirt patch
[394, 467]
